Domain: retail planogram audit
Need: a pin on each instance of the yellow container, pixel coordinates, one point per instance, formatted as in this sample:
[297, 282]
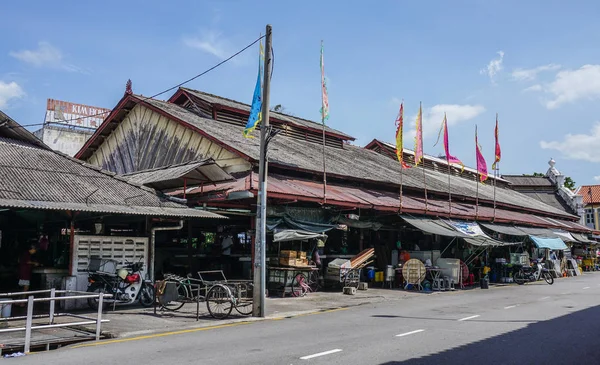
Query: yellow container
[379, 276]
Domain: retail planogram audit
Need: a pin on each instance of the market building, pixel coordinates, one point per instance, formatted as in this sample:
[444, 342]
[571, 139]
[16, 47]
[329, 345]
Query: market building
[358, 208]
[72, 211]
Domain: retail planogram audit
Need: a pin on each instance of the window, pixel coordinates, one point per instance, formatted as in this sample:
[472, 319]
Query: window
[589, 216]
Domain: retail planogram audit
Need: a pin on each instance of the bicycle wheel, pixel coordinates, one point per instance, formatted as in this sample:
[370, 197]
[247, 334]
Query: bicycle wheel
[548, 277]
[300, 286]
[182, 295]
[313, 281]
[244, 298]
[219, 301]
[519, 277]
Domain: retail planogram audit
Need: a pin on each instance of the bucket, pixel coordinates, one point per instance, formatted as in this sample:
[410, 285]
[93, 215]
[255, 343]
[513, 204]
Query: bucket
[5, 309]
[484, 284]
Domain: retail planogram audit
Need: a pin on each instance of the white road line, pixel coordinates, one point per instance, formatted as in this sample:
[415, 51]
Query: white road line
[320, 354]
[544, 298]
[510, 306]
[587, 287]
[409, 333]
[467, 318]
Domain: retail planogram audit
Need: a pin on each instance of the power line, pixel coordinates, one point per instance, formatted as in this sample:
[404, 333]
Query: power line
[160, 93]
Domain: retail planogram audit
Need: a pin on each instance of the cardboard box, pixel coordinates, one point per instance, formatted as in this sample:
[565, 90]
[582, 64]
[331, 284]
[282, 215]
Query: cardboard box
[287, 261]
[287, 254]
[302, 255]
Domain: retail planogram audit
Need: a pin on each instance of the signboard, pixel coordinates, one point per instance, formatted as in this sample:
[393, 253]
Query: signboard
[77, 115]
[468, 228]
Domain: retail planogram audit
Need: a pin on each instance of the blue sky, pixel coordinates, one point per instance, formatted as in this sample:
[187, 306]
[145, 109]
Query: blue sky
[536, 63]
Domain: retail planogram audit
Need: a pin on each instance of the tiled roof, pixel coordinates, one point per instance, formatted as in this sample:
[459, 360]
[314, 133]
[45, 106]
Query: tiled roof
[590, 193]
[528, 181]
[36, 177]
[350, 162]
[214, 99]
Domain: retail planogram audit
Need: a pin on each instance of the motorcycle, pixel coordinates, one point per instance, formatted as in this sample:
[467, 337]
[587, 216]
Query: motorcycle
[126, 286]
[528, 274]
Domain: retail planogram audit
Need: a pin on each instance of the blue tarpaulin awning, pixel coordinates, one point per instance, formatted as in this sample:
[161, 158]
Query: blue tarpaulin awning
[550, 243]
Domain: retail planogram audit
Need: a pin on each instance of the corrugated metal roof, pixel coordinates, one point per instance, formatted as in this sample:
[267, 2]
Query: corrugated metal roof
[521, 180]
[34, 177]
[284, 187]
[349, 162]
[300, 122]
[550, 198]
[176, 176]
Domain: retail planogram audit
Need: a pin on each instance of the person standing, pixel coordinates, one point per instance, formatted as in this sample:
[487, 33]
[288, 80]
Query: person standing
[26, 265]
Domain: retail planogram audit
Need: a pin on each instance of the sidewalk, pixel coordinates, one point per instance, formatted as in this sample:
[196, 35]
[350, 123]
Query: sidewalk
[136, 321]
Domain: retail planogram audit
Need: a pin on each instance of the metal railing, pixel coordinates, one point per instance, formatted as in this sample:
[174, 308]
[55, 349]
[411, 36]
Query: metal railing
[66, 295]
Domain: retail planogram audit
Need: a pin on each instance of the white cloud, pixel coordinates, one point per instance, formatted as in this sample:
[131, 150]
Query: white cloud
[597, 178]
[493, 67]
[528, 74]
[212, 43]
[536, 87]
[9, 91]
[432, 117]
[578, 146]
[572, 85]
[46, 55]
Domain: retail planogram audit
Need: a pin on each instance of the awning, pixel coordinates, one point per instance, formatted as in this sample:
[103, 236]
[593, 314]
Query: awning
[296, 235]
[502, 229]
[583, 239]
[539, 232]
[472, 230]
[565, 236]
[433, 226]
[550, 243]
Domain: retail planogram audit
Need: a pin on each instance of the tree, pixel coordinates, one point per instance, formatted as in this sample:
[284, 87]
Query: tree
[279, 108]
[569, 183]
[536, 174]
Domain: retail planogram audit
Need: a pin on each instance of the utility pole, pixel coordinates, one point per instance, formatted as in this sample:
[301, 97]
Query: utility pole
[260, 257]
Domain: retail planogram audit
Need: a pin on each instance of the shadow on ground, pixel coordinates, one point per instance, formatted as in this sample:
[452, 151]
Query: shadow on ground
[570, 339]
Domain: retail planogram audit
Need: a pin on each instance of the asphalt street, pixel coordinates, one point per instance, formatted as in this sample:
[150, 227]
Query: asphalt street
[531, 324]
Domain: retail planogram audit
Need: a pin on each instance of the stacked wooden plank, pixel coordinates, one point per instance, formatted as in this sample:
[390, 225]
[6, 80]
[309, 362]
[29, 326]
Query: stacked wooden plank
[362, 258]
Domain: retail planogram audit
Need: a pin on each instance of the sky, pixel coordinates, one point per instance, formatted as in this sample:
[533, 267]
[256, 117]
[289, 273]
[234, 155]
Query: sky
[535, 63]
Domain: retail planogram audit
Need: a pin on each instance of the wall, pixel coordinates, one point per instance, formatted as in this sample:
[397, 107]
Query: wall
[63, 139]
[146, 139]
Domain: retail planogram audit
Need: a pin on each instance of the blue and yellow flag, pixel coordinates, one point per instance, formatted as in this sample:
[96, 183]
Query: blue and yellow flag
[256, 110]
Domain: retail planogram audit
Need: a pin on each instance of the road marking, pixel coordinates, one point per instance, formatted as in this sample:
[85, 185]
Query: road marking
[320, 354]
[409, 333]
[587, 287]
[160, 335]
[467, 318]
[544, 298]
[510, 306]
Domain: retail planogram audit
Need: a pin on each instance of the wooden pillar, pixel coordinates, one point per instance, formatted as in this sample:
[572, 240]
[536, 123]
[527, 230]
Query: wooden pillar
[361, 240]
[253, 229]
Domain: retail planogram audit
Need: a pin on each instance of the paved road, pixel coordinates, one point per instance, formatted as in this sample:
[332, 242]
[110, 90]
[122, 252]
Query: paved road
[531, 324]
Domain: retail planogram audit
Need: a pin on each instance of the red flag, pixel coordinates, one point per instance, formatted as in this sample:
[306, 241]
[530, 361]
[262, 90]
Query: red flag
[498, 154]
[399, 136]
[481, 165]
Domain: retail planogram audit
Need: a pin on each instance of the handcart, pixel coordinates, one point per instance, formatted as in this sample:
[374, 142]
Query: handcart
[347, 272]
[221, 295]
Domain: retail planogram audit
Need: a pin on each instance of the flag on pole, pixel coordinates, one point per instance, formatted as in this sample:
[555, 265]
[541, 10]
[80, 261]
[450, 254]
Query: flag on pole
[256, 109]
[498, 154]
[324, 99]
[419, 138]
[481, 165]
[449, 157]
[399, 136]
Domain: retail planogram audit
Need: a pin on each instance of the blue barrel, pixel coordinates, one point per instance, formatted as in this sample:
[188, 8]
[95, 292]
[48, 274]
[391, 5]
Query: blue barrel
[371, 274]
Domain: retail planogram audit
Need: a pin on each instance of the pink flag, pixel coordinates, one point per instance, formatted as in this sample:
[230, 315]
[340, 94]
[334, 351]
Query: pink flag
[481, 165]
[419, 138]
[449, 157]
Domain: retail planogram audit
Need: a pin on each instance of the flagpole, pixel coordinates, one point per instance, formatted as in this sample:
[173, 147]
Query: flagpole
[495, 177]
[449, 189]
[401, 181]
[323, 111]
[496, 164]
[423, 160]
[476, 179]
